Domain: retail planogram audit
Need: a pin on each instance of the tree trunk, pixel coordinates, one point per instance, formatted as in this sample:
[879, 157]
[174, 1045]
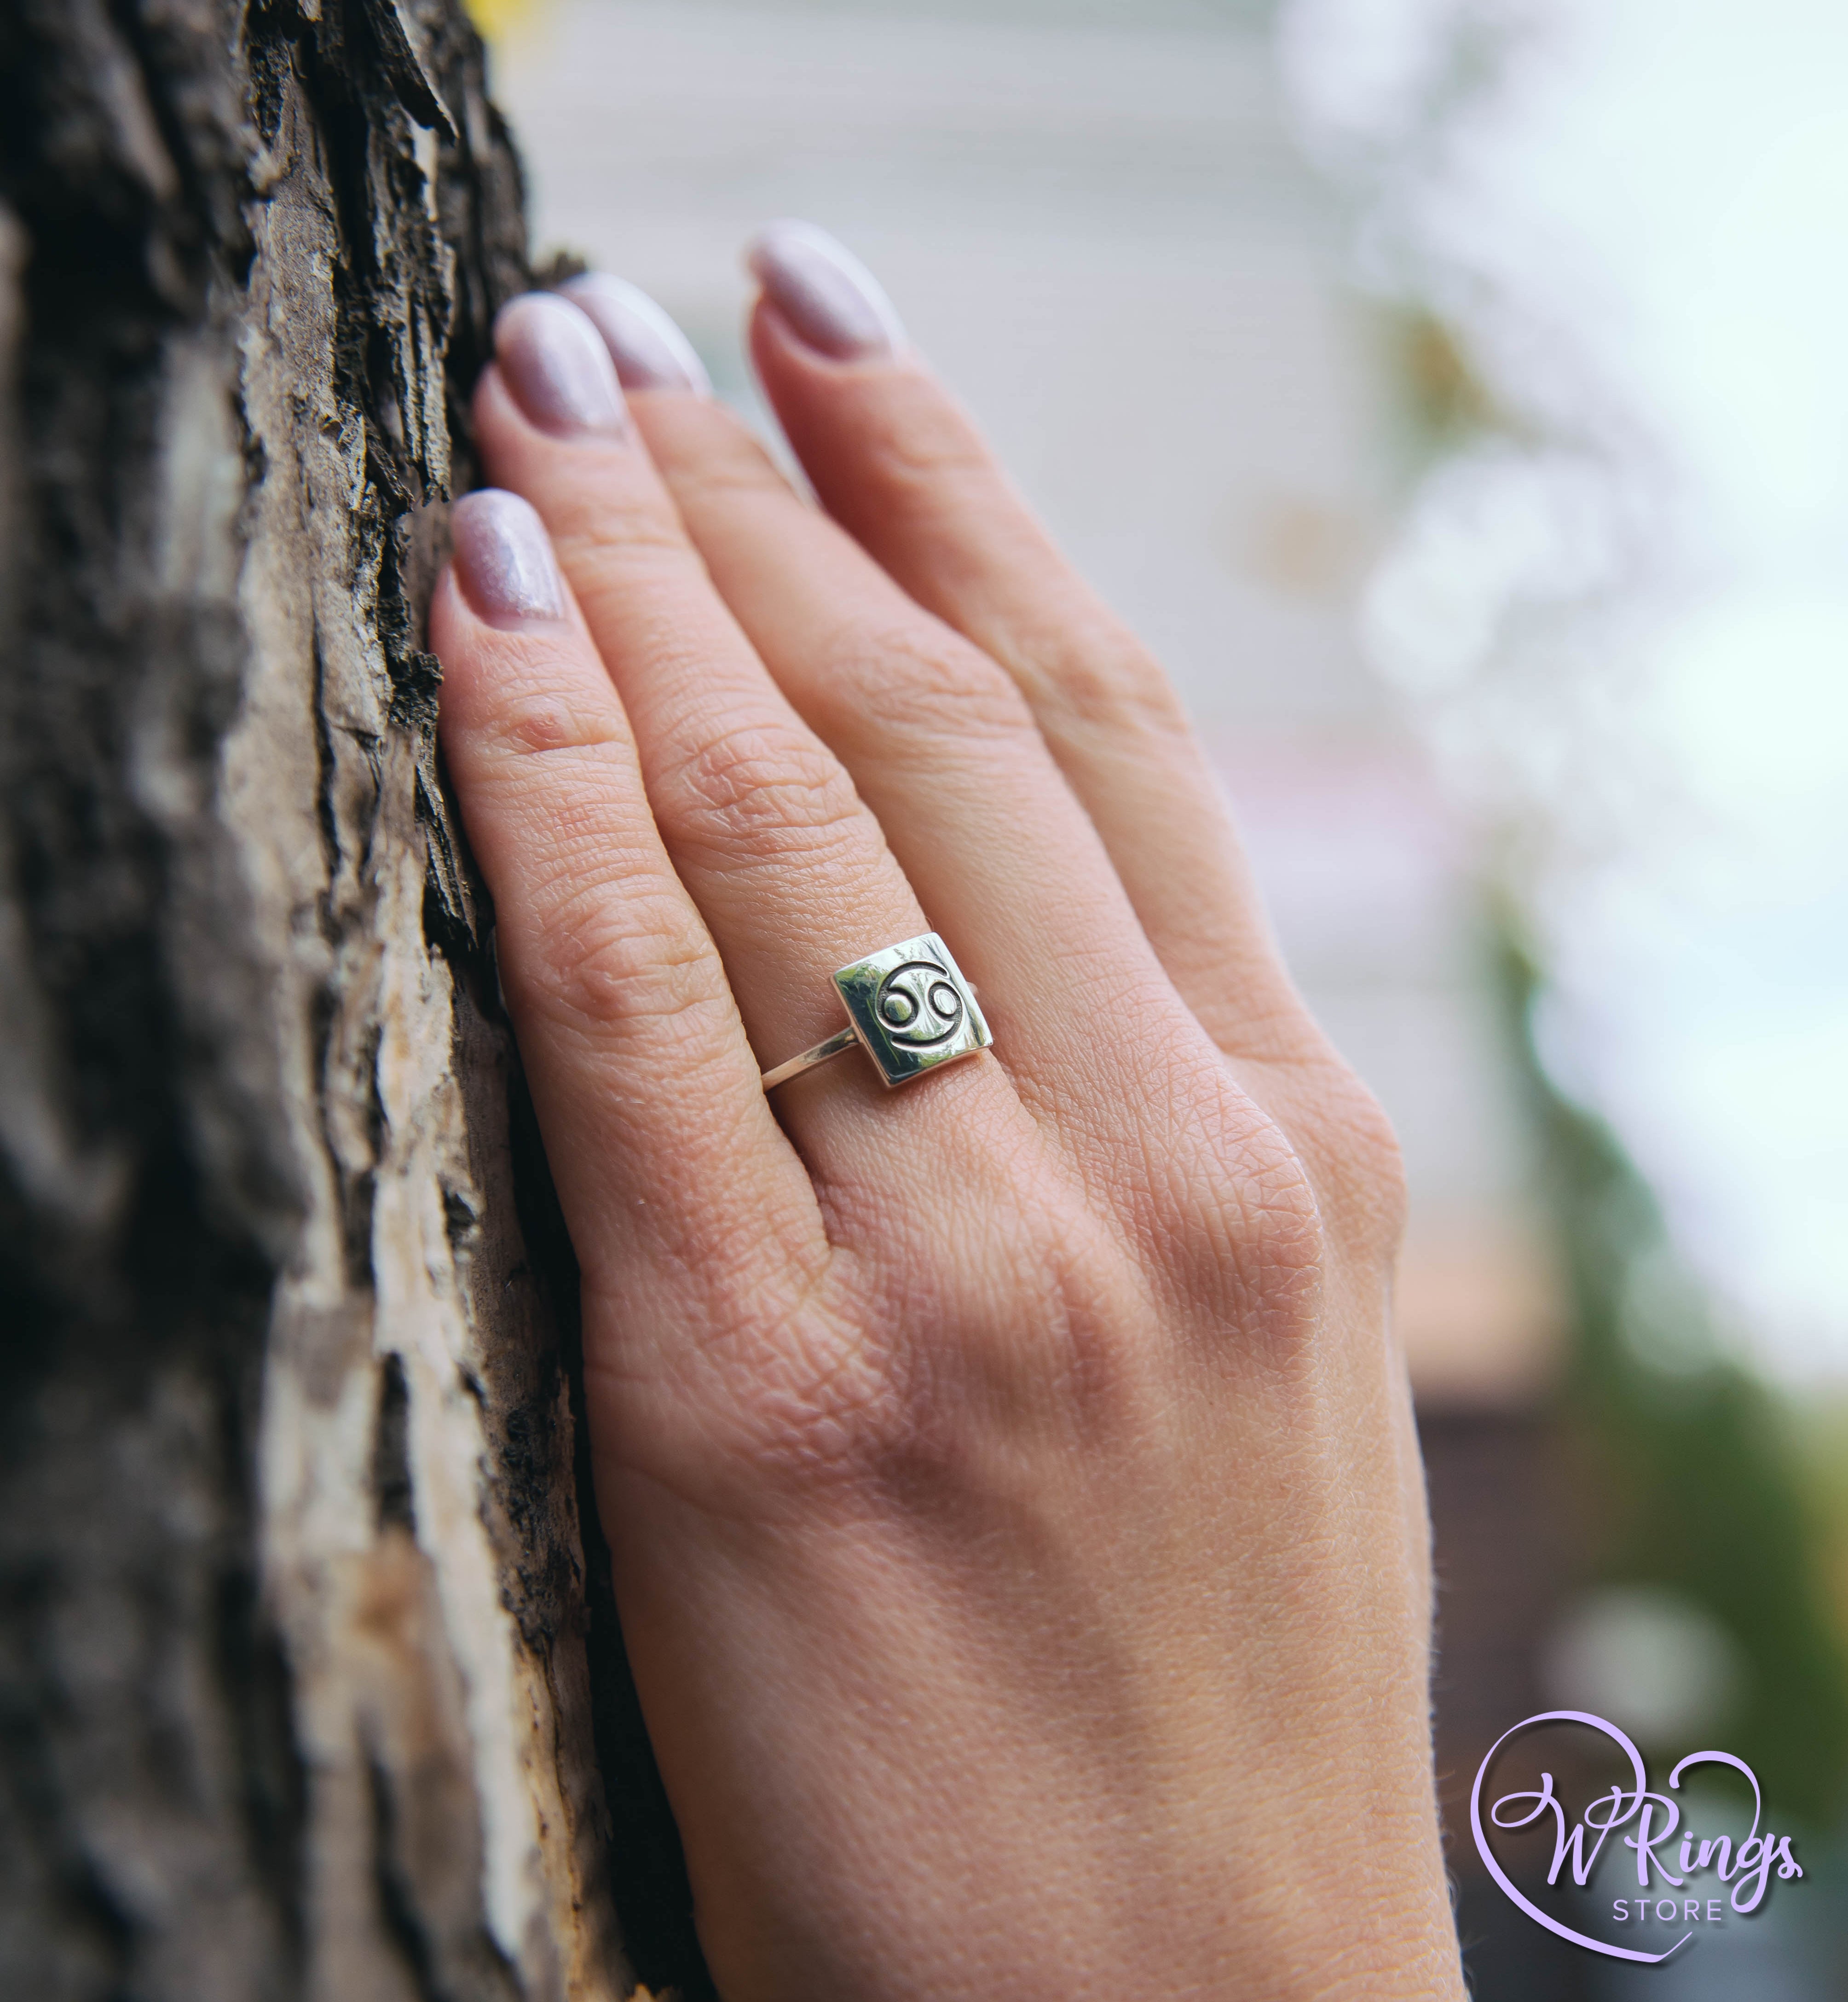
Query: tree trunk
[307, 1649]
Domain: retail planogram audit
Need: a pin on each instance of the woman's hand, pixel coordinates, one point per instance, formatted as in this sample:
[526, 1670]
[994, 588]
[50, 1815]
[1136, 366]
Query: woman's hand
[1017, 1519]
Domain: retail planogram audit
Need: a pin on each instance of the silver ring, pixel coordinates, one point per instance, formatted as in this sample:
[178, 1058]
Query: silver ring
[909, 1008]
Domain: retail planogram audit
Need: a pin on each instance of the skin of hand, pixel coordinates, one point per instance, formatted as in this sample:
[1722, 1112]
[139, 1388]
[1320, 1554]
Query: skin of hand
[1018, 1523]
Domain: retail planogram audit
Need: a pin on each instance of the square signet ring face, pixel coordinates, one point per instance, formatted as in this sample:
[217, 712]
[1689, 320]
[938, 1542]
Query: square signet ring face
[912, 1010]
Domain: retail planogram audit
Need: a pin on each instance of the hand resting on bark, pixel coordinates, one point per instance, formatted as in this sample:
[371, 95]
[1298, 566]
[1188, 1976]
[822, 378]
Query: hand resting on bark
[1017, 1519]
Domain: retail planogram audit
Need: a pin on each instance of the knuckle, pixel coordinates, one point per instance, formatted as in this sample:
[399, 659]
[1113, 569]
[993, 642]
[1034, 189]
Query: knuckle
[1247, 1230]
[823, 1407]
[1360, 1162]
[1105, 680]
[621, 547]
[607, 962]
[1280, 1230]
[928, 447]
[1314, 1174]
[1286, 1210]
[908, 678]
[727, 464]
[1318, 1183]
[993, 1395]
[916, 1379]
[1083, 665]
[774, 1406]
[536, 721]
[767, 790]
[1049, 1328]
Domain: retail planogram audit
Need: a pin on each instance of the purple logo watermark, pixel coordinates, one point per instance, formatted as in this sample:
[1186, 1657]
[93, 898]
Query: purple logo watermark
[1669, 1858]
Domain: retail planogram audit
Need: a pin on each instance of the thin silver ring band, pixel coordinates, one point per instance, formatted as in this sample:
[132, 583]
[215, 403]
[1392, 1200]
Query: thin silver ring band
[838, 1044]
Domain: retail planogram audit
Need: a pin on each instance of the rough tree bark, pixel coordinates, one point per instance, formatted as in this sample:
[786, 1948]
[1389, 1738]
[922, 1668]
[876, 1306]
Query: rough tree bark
[303, 1655]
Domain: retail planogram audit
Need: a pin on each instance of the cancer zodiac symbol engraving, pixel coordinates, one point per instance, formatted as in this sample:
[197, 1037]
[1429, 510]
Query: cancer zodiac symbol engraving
[911, 1009]
[918, 1006]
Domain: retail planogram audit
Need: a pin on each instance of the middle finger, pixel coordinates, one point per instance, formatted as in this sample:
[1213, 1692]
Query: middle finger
[945, 749]
[788, 867]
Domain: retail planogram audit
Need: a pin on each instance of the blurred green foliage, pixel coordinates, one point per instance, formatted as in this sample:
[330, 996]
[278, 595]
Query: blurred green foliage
[1691, 1474]
[1446, 401]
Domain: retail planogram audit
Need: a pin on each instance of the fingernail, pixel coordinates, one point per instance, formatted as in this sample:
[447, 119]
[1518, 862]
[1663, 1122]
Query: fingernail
[555, 365]
[825, 293]
[504, 560]
[650, 351]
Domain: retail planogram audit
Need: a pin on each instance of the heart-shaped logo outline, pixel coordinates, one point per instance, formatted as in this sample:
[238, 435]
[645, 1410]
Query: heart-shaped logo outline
[1640, 1793]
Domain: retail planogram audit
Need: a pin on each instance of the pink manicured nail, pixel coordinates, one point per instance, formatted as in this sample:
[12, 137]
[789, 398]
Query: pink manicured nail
[650, 351]
[825, 293]
[504, 560]
[555, 365]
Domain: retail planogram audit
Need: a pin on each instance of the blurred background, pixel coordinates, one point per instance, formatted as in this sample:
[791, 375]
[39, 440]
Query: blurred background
[1452, 392]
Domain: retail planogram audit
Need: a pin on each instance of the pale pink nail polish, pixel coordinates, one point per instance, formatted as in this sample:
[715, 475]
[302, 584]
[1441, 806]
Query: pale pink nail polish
[556, 367]
[504, 560]
[650, 351]
[827, 295]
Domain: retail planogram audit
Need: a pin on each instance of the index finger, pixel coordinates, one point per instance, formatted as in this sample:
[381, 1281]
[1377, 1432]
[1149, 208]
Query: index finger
[666, 1158]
